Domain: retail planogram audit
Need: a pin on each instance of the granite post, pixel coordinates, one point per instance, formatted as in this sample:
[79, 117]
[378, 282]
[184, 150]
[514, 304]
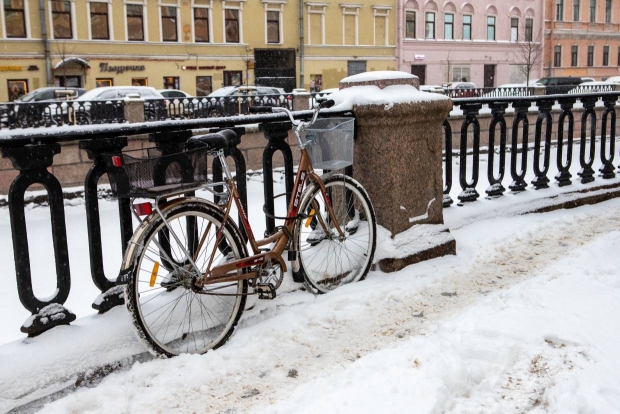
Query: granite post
[398, 159]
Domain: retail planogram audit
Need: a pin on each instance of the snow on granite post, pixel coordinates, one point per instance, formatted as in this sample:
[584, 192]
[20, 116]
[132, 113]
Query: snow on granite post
[398, 159]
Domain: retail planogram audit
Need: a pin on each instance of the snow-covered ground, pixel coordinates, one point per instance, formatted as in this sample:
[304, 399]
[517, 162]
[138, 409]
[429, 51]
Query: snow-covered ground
[525, 318]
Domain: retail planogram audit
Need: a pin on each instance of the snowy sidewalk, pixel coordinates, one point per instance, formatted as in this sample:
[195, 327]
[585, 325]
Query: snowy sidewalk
[521, 319]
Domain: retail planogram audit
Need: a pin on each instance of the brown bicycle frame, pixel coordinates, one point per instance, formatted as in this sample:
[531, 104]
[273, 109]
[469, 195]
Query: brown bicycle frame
[229, 271]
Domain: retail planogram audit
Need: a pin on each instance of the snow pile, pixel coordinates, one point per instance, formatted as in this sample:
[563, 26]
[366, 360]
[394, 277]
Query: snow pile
[346, 99]
[522, 320]
[377, 75]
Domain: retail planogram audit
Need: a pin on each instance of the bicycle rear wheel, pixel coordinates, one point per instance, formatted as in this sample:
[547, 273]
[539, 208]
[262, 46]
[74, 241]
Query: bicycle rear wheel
[170, 316]
[327, 260]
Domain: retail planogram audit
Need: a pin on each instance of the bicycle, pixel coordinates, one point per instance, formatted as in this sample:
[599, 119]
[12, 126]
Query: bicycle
[187, 270]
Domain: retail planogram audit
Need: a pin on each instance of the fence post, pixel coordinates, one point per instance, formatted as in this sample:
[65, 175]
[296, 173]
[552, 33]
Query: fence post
[398, 158]
[134, 108]
[301, 100]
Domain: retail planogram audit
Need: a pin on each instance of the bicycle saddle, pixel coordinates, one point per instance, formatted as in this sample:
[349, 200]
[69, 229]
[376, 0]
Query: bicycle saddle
[214, 141]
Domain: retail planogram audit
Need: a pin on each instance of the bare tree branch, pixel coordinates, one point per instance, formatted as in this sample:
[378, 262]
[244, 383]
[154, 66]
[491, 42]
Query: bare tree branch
[528, 54]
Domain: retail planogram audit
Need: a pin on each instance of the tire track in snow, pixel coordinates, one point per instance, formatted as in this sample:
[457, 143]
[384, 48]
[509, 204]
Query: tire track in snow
[307, 338]
[511, 262]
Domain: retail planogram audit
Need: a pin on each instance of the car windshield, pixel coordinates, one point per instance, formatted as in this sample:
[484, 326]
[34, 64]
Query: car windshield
[29, 96]
[225, 91]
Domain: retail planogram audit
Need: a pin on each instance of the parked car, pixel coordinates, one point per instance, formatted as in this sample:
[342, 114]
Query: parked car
[432, 89]
[52, 93]
[613, 79]
[235, 100]
[592, 87]
[559, 84]
[31, 108]
[100, 105]
[508, 89]
[462, 90]
[174, 93]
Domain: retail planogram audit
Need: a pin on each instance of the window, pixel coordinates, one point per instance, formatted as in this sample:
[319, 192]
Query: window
[273, 27]
[514, 29]
[607, 11]
[350, 14]
[529, 30]
[576, 10]
[605, 55]
[201, 24]
[232, 78]
[381, 25]
[618, 56]
[61, 19]
[316, 24]
[557, 56]
[139, 82]
[559, 10]
[448, 26]
[101, 82]
[459, 74]
[590, 55]
[172, 82]
[169, 24]
[14, 18]
[355, 66]
[135, 22]
[429, 32]
[410, 31]
[574, 56]
[467, 27]
[490, 27]
[204, 85]
[99, 27]
[17, 88]
[592, 16]
[232, 26]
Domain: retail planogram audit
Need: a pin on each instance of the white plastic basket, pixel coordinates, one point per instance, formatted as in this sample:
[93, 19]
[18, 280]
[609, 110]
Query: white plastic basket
[329, 142]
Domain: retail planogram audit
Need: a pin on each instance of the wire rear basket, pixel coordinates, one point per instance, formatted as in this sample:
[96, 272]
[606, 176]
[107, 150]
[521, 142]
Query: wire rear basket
[329, 142]
[133, 175]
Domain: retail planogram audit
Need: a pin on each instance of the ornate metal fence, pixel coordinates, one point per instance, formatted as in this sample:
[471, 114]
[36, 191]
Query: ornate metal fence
[512, 136]
[516, 126]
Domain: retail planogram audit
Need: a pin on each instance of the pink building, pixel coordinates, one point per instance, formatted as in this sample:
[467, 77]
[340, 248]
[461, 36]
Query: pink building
[480, 41]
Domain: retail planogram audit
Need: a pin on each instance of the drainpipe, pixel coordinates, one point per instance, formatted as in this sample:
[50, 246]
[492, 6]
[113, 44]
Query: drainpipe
[301, 43]
[552, 26]
[46, 44]
[399, 44]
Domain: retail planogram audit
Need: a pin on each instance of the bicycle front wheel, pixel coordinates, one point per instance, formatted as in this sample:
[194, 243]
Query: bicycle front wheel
[326, 259]
[170, 315]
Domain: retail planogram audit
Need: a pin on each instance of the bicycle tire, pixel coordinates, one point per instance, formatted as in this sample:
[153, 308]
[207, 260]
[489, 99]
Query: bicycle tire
[327, 262]
[196, 322]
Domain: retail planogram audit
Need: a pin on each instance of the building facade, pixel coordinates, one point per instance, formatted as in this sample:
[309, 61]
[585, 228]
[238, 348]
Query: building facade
[480, 41]
[194, 45]
[582, 38]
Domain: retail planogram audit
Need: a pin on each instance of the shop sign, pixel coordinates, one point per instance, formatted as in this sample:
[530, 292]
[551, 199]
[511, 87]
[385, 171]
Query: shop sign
[11, 68]
[104, 67]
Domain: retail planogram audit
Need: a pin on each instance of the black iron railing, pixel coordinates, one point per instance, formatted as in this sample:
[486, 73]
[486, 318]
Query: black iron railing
[112, 111]
[555, 114]
[518, 126]
[33, 162]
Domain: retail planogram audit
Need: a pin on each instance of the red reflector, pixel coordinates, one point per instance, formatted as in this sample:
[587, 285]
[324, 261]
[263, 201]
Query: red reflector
[117, 161]
[143, 209]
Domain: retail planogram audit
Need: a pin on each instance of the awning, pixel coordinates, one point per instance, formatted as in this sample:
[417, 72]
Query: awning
[68, 61]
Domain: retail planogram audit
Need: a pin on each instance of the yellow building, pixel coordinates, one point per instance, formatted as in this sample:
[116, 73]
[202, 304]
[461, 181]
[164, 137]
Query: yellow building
[194, 45]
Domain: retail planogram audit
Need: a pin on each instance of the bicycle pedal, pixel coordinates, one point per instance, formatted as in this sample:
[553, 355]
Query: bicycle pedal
[265, 291]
